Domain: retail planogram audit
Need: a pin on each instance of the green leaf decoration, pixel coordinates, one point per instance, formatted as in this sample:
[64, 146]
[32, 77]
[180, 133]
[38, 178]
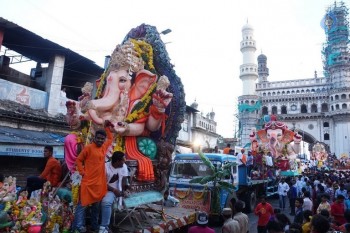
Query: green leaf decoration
[206, 161]
[226, 185]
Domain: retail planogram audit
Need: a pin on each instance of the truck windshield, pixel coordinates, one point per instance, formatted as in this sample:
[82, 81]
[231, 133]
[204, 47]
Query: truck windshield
[190, 169]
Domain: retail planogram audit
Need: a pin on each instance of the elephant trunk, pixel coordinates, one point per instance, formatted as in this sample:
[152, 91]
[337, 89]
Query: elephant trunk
[272, 144]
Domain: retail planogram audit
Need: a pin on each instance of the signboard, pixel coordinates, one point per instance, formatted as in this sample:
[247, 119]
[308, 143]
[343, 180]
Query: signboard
[192, 199]
[29, 151]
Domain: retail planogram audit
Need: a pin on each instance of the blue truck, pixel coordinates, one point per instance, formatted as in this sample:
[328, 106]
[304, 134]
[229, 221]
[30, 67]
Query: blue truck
[196, 196]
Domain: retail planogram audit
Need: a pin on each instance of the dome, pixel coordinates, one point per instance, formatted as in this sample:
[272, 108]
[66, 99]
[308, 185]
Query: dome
[194, 105]
[262, 57]
[247, 26]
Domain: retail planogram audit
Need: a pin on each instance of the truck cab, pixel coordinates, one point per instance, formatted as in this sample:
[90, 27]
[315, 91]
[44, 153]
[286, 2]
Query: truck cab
[186, 167]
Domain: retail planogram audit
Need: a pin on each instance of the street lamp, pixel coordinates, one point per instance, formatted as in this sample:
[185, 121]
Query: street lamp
[166, 31]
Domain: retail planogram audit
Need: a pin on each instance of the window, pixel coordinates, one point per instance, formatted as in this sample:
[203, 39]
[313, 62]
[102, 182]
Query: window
[274, 110]
[343, 96]
[326, 136]
[344, 106]
[265, 110]
[336, 97]
[324, 107]
[185, 126]
[313, 108]
[303, 108]
[283, 110]
[325, 124]
[337, 107]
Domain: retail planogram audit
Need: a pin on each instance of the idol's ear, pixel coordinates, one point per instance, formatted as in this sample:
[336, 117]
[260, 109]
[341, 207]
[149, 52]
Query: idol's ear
[262, 136]
[143, 80]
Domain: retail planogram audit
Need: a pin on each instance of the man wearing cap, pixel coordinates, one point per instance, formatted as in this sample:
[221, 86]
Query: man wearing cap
[240, 217]
[202, 224]
[230, 224]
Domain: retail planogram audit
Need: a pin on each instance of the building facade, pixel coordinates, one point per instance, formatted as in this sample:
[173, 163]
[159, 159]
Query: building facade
[318, 107]
[198, 131]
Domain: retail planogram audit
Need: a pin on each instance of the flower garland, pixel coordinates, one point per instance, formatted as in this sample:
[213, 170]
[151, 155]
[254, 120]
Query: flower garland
[201, 194]
[145, 51]
[137, 114]
[182, 194]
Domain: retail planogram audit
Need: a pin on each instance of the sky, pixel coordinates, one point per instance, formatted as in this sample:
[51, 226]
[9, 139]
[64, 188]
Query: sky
[204, 44]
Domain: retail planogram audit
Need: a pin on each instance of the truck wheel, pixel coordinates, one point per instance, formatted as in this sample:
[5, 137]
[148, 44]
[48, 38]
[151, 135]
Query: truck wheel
[250, 202]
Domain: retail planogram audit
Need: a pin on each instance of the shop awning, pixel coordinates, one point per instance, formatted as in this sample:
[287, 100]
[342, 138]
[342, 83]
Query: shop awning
[29, 143]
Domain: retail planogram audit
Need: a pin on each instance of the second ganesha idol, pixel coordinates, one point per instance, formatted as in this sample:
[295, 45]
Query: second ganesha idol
[276, 138]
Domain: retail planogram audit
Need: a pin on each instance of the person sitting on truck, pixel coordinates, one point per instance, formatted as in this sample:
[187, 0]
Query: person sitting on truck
[169, 200]
[115, 171]
[51, 173]
[202, 224]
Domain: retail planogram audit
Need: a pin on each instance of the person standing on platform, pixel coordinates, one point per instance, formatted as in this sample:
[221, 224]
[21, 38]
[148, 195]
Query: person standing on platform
[91, 166]
[227, 149]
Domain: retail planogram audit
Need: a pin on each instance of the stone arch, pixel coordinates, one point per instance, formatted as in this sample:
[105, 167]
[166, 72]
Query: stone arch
[307, 137]
[314, 108]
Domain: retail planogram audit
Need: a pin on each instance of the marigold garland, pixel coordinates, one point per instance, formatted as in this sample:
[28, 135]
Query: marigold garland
[145, 51]
[182, 194]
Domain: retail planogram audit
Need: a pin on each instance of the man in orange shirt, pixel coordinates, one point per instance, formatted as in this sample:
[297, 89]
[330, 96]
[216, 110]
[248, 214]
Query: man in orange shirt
[227, 149]
[91, 166]
[52, 173]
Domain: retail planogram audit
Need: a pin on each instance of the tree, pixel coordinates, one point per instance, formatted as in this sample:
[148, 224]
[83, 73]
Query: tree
[217, 179]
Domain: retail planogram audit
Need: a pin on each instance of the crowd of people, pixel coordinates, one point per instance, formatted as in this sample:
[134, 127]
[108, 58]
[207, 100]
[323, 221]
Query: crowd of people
[319, 202]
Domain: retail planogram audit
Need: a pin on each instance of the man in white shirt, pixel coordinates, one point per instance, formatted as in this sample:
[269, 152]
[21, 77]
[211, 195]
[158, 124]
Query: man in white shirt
[115, 171]
[240, 217]
[300, 184]
[283, 189]
[307, 201]
[241, 158]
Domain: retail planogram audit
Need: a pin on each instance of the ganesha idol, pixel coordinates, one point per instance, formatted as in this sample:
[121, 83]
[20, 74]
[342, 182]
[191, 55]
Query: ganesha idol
[131, 98]
[282, 143]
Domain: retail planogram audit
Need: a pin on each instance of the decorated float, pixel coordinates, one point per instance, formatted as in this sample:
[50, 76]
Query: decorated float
[142, 98]
[277, 143]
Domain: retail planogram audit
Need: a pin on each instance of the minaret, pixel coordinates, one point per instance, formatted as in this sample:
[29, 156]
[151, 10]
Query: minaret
[263, 71]
[247, 103]
[248, 70]
[337, 71]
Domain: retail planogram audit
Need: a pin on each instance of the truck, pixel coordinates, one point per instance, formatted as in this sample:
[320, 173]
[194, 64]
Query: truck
[197, 196]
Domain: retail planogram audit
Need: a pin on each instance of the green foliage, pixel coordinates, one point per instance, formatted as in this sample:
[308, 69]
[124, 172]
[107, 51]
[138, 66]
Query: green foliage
[219, 173]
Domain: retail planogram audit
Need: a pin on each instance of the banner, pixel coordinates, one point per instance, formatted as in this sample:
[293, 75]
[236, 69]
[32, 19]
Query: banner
[29, 151]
